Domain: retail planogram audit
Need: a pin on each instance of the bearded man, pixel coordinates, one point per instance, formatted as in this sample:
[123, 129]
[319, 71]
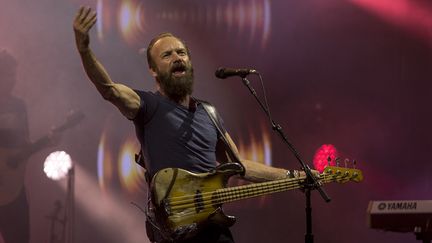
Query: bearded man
[173, 127]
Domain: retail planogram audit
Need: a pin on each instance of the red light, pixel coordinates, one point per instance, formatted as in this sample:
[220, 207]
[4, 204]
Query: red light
[404, 13]
[322, 155]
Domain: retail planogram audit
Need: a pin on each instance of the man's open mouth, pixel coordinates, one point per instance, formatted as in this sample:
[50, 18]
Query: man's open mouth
[178, 69]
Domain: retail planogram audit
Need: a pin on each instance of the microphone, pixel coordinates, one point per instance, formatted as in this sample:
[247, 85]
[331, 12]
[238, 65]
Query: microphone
[224, 73]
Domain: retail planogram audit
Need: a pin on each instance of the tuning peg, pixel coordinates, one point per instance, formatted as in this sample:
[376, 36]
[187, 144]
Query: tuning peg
[337, 161]
[354, 162]
[346, 163]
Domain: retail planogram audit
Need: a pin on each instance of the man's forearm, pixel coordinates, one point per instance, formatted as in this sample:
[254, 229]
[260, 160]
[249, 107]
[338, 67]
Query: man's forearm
[257, 172]
[97, 74]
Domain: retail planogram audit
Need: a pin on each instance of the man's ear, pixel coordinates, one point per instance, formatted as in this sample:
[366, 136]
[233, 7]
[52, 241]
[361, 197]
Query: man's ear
[153, 72]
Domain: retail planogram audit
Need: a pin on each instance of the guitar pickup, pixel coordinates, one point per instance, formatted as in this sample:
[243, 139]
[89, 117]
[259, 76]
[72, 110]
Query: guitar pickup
[199, 202]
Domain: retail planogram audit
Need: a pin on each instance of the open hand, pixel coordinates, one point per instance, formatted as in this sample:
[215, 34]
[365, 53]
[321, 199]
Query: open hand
[84, 20]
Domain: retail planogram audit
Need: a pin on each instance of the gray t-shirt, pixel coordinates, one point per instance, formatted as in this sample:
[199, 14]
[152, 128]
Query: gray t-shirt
[172, 135]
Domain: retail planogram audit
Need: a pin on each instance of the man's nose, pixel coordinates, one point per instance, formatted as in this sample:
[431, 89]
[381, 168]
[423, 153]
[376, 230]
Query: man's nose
[176, 57]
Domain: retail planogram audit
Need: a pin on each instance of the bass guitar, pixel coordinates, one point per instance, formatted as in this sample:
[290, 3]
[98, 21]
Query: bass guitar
[184, 202]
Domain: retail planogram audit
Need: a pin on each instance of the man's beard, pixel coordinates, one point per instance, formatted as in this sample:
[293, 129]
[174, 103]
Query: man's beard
[177, 88]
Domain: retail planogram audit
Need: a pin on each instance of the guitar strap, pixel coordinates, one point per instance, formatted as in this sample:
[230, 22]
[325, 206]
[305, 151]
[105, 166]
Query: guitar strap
[214, 116]
[139, 159]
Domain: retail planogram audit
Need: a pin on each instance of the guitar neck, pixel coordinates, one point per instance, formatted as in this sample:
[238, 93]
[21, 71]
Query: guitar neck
[73, 119]
[37, 146]
[236, 193]
[331, 174]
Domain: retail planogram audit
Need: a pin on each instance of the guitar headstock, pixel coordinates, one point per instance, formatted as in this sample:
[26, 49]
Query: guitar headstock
[73, 118]
[342, 174]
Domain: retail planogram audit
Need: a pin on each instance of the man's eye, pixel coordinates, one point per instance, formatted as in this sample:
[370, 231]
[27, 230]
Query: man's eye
[165, 55]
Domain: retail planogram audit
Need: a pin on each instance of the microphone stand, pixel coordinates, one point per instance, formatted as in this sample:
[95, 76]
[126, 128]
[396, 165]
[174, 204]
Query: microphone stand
[70, 206]
[54, 218]
[311, 183]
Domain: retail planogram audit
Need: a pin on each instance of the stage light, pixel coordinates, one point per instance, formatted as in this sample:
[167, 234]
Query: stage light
[57, 165]
[130, 174]
[125, 16]
[104, 164]
[248, 19]
[266, 22]
[409, 15]
[325, 155]
[131, 22]
[99, 23]
[257, 149]
[139, 17]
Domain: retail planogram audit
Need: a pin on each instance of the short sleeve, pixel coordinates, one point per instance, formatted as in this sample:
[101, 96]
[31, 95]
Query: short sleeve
[148, 106]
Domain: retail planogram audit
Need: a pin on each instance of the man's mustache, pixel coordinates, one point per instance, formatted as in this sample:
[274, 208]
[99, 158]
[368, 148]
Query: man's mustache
[178, 66]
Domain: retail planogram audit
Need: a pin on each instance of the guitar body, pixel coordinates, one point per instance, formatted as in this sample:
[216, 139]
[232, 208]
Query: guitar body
[11, 176]
[183, 200]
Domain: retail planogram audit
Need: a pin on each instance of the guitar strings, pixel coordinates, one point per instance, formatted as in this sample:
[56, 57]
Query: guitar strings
[246, 188]
[232, 191]
[186, 198]
[209, 199]
[207, 205]
[234, 195]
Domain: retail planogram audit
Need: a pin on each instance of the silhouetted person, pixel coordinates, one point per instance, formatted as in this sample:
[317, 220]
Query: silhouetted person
[14, 134]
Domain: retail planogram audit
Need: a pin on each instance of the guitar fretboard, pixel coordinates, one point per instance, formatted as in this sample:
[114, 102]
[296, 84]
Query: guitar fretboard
[255, 190]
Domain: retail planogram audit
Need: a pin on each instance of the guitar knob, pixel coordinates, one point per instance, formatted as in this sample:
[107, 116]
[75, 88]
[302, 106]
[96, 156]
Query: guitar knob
[346, 174]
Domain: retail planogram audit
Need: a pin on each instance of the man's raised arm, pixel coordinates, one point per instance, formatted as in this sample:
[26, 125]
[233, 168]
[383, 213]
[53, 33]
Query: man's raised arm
[123, 97]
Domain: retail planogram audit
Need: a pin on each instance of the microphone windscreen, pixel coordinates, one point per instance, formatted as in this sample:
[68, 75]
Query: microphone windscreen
[220, 73]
